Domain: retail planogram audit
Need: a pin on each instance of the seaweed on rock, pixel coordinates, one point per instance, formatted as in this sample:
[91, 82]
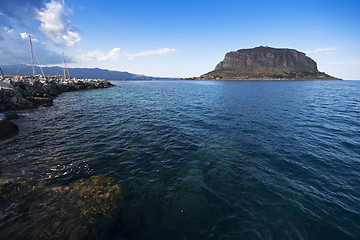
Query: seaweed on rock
[84, 209]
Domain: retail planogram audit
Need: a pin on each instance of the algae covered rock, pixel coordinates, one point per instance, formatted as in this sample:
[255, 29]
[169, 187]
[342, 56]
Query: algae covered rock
[97, 194]
[84, 209]
[91, 204]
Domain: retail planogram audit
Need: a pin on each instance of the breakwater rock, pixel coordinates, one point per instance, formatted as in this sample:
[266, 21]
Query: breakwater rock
[28, 93]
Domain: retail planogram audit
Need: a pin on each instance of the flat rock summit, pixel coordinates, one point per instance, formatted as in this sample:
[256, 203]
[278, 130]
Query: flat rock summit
[266, 63]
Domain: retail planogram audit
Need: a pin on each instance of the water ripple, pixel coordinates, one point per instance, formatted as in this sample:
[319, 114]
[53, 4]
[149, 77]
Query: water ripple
[202, 159]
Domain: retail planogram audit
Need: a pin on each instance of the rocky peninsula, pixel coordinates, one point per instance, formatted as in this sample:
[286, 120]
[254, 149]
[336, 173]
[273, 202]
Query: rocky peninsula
[266, 63]
[21, 93]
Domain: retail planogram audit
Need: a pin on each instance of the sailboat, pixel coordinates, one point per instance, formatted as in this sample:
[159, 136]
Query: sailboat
[2, 74]
[32, 60]
[65, 68]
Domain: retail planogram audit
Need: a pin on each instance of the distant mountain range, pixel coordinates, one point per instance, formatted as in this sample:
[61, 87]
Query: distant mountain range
[75, 72]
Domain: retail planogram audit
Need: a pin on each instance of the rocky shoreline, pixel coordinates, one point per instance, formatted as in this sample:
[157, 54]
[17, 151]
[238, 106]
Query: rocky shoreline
[24, 93]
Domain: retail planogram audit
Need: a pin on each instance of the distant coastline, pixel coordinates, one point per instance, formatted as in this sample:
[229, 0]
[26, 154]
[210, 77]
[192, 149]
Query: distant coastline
[89, 73]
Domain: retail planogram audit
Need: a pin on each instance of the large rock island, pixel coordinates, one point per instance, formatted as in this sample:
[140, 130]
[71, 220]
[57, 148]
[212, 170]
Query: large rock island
[266, 63]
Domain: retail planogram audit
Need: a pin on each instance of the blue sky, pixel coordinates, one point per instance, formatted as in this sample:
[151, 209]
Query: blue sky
[178, 38]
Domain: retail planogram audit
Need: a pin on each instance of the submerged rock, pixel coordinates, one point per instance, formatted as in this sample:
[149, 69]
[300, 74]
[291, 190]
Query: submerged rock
[84, 209]
[97, 194]
[8, 130]
[93, 204]
[10, 185]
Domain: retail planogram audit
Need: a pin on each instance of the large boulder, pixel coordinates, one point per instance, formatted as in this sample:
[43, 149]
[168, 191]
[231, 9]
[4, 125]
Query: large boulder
[11, 99]
[8, 130]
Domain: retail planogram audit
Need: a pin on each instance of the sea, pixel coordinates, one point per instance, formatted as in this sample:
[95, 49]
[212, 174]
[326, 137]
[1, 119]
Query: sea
[193, 160]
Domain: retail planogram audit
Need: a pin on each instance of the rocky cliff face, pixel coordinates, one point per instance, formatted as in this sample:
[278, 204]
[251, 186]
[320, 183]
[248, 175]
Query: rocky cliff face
[266, 63]
[267, 58]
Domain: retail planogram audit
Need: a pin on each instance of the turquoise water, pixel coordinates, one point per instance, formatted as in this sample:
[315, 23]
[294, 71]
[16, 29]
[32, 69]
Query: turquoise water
[202, 159]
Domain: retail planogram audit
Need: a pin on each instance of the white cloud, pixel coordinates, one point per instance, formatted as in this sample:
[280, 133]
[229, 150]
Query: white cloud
[55, 24]
[14, 49]
[97, 55]
[115, 53]
[24, 35]
[323, 51]
[157, 52]
[9, 30]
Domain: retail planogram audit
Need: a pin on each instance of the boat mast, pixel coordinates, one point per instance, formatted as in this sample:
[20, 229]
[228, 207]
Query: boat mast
[39, 64]
[2, 74]
[67, 70]
[32, 56]
[64, 68]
